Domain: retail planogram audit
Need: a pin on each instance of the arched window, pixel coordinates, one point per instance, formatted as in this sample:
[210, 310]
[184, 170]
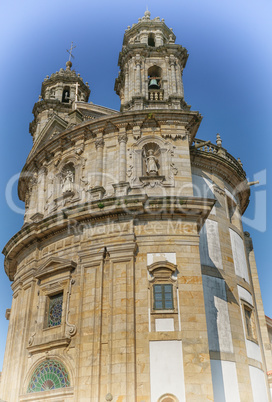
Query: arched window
[66, 95]
[154, 83]
[151, 40]
[50, 374]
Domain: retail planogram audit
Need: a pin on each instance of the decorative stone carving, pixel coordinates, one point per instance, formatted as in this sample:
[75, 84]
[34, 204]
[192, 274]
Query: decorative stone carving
[99, 143]
[70, 328]
[68, 181]
[150, 163]
[122, 138]
[31, 339]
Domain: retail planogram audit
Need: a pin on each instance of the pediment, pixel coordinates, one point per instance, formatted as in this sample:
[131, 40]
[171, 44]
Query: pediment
[54, 266]
[162, 266]
[53, 127]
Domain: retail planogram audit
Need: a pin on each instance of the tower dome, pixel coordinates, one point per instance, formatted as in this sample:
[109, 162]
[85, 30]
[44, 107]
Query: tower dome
[59, 94]
[65, 86]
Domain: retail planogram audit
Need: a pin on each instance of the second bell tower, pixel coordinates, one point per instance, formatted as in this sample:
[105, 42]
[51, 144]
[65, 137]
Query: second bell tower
[151, 67]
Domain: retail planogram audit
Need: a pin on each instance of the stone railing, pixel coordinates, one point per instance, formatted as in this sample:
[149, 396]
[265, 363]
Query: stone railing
[155, 94]
[207, 147]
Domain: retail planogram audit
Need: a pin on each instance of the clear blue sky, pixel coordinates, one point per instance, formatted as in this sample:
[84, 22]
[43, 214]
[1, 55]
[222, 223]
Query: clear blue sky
[227, 78]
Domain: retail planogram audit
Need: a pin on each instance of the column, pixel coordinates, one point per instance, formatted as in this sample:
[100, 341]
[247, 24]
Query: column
[99, 144]
[179, 82]
[122, 321]
[126, 86]
[121, 188]
[138, 75]
[173, 76]
[122, 139]
[97, 192]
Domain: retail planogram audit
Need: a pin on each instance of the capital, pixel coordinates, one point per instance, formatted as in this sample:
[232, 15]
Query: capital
[122, 138]
[99, 143]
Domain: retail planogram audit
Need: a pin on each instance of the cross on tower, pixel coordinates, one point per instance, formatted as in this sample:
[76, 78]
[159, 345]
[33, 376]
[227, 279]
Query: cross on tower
[70, 51]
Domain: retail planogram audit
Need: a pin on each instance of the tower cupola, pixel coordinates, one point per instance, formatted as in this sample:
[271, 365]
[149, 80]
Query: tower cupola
[60, 94]
[65, 86]
[151, 67]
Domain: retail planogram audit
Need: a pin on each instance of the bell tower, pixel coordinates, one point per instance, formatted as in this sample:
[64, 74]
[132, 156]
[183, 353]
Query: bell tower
[151, 66]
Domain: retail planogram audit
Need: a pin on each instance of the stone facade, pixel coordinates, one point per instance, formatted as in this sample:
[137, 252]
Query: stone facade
[132, 277]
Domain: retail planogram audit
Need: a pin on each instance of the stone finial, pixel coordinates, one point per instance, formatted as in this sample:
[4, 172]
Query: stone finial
[218, 140]
[239, 161]
[68, 65]
[147, 14]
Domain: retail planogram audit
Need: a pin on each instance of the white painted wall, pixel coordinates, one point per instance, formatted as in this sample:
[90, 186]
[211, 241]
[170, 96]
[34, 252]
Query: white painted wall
[156, 257]
[253, 350]
[225, 383]
[228, 193]
[239, 257]
[209, 245]
[166, 369]
[217, 314]
[164, 324]
[202, 187]
[258, 384]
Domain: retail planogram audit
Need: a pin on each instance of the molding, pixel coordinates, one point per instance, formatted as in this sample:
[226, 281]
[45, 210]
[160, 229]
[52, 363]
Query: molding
[56, 395]
[42, 347]
[54, 266]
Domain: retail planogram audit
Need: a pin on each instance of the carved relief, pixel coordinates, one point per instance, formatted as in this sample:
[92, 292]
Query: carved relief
[70, 329]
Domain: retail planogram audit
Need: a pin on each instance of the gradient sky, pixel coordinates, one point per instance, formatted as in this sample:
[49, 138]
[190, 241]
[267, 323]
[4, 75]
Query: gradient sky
[227, 79]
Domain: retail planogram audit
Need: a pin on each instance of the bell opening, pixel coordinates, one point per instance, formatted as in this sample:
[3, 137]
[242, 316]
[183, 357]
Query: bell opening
[151, 40]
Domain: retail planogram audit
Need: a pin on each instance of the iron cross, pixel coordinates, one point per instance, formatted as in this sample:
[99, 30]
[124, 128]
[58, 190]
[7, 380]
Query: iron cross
[70, 51]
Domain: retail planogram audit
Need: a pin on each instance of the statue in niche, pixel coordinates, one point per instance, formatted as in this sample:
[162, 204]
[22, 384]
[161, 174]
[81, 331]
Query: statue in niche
[67, 181]
[151, 163]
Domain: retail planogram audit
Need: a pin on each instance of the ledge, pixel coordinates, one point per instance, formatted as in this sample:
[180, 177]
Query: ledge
[42, 347]
[194, 209]
[55, 395]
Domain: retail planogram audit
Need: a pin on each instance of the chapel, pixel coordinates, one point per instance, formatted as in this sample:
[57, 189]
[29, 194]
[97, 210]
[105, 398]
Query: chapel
[132, 277]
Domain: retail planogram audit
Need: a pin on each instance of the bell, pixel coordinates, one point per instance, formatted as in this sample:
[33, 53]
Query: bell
[153, 84]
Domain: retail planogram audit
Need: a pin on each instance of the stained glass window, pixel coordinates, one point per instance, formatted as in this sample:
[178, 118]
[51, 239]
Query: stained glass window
[55, 310]
[50, 374]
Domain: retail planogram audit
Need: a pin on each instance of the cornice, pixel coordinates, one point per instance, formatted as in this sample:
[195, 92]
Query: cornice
[229, 170]
[141, 207]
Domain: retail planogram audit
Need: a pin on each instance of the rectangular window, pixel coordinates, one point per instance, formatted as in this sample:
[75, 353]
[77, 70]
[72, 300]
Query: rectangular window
[55, 310]
[250, 323]
[163, 297]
